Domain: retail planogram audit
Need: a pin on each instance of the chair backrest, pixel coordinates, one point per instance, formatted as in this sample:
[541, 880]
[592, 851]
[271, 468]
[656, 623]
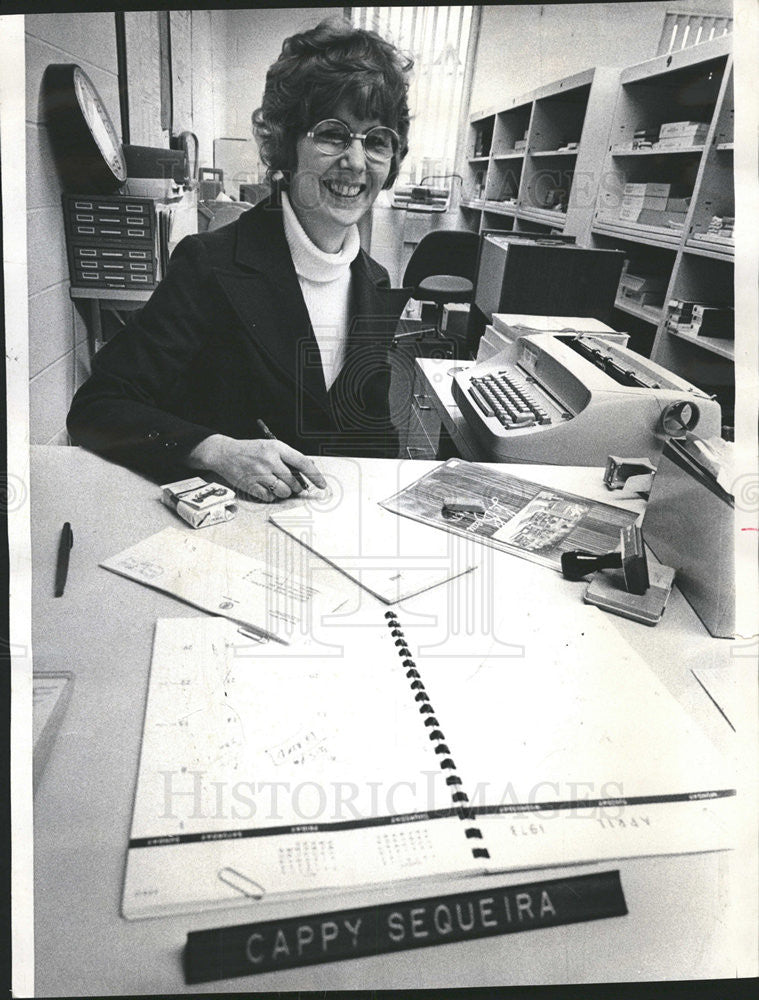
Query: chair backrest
[443, 251]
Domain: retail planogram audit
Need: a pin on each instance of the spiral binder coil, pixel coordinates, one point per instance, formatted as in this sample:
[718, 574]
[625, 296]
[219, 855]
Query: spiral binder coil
[459, 797]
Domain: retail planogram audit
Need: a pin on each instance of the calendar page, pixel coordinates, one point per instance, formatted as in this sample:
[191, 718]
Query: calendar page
[575, 752]
[268, 769]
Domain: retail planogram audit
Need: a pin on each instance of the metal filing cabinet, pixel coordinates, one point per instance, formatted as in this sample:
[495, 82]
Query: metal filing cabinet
[112, 241]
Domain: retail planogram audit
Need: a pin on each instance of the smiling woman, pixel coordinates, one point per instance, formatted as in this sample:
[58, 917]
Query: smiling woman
[333, 126]
[256, 320]
[319, 69]
[341, 167]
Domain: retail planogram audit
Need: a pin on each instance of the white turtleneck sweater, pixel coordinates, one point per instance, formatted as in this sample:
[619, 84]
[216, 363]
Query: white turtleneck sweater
[325, 282]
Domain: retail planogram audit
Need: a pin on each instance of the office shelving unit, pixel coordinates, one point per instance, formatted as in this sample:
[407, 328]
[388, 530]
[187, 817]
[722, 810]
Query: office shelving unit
[506, 166]
[549, 186]
[716, 191]
[532, 166]
[695, 85]
[479, 142]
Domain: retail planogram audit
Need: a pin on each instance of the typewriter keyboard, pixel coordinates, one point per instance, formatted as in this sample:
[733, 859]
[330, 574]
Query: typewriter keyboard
[506, 396]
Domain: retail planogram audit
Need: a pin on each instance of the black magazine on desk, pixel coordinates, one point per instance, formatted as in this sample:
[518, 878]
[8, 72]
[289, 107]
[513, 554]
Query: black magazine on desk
[361, 759]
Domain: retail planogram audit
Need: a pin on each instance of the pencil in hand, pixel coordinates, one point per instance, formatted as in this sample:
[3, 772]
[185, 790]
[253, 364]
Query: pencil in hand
[272, 437]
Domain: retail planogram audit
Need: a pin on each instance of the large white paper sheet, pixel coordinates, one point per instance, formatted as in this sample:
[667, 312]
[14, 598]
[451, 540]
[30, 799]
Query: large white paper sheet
[270, 597]
[390, 558]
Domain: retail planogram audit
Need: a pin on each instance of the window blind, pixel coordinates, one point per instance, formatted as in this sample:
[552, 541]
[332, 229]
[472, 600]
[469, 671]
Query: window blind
[438, 39]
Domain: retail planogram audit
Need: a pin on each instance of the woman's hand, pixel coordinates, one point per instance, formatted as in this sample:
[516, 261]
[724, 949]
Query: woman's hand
[257, 467]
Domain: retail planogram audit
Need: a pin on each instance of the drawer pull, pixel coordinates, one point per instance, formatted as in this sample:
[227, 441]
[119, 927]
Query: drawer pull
[418, 397]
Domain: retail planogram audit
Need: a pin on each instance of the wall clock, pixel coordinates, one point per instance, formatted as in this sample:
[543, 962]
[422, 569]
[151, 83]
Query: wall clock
[87, 147]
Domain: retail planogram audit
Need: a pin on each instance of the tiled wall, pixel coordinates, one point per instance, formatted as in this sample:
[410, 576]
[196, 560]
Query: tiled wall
[58, 348]
[57, 336]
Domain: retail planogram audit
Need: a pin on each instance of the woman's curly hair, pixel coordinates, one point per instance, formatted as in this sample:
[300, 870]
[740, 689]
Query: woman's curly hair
[317, 70]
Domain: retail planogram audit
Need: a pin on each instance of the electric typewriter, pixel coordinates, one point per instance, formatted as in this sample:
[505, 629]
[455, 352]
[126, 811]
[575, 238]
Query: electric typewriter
[574, 400]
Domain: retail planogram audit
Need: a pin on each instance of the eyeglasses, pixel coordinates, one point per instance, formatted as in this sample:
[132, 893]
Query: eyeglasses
[333, 136]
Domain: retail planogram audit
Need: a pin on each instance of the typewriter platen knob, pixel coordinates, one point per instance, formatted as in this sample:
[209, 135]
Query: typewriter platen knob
[678, 418]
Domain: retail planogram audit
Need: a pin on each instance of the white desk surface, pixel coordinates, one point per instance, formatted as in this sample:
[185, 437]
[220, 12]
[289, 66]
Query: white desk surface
[683, 914]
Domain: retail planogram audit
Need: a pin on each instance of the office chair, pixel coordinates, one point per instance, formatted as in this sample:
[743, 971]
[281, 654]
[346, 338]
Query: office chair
[442, 269]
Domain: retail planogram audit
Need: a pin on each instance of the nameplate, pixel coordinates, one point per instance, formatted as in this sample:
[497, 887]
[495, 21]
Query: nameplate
[267, 946]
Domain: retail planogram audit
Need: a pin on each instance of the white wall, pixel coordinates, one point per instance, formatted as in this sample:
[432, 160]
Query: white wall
[207, 78]
[253, 40]
[523, 46]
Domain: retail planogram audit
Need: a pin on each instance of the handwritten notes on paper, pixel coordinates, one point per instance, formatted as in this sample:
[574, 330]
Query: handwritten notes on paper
[269, 769]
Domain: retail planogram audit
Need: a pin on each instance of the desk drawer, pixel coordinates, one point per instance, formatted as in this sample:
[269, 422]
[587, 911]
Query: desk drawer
[423, 434]
[100, 253]
[419, 446]
[406, 389]
[109, 206]
[112, 278]
[104, 211]
[423, 412]
[114, 266]
[120, 231]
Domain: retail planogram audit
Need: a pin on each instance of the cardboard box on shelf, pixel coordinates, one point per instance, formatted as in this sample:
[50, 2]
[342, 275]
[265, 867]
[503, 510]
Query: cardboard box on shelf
[701, 319]
[643, 289]
[643, 298]
[654, 201]
[633, 205]
[671, 129]
[680, 142]
[713, 321]
[679, 205]
[672, 220]
[650, 188]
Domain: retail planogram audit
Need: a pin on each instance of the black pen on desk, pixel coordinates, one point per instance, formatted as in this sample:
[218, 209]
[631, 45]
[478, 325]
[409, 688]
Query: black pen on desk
[62, 564]
[272, 437]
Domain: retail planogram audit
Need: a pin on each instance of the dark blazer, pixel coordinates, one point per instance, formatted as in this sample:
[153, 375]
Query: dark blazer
[225, 339]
